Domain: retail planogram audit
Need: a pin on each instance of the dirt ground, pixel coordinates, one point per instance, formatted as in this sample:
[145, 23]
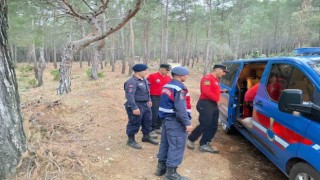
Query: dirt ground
[81, 135]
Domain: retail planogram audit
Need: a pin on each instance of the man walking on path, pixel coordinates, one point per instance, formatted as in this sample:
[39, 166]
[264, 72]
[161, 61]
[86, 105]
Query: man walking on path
[157, 80]
[174, 110]
[208, 110]
[138, 106]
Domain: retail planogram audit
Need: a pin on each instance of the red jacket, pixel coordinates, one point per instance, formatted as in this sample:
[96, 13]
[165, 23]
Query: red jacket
[251, 93]
[210, 88]
[157, 81]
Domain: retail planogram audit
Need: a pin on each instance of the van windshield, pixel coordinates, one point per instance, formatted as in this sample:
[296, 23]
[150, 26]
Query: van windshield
[315, 65]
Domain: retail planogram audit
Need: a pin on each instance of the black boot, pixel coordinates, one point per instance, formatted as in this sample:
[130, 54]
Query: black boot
[171, 174]
[132, 143]
[161, 168]
[147, 138]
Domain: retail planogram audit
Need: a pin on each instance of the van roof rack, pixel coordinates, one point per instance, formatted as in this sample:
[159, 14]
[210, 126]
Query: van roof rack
[307, 51]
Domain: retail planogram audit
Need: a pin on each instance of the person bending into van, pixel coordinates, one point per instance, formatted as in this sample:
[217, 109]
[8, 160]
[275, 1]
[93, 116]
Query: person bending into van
[207, 106]
[248, 100]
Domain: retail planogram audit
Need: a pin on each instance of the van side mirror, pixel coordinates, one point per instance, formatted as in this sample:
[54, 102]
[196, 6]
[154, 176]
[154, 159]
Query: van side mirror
[289, 97]
[292, 100]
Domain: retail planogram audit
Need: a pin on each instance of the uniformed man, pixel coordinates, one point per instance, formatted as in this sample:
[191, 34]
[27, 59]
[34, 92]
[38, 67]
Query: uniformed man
[174, 110]
[207, 106]
[138, 106]
[157, 80]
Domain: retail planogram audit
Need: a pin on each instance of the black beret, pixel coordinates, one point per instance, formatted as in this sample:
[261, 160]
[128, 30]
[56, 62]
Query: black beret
[166, 66]
[223, 67]
[139, 67]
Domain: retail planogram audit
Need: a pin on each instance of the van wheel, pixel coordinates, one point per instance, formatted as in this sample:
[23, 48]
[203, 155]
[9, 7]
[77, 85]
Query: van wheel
[225, 128]
[303, 171]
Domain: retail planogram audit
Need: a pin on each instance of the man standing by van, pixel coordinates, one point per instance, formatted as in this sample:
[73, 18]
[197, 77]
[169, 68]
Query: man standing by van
[207, 107]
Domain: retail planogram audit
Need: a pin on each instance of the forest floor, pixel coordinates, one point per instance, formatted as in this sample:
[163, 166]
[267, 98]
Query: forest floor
[81, 135]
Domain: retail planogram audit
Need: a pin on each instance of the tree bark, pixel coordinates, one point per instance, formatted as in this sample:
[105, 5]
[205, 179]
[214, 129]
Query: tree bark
[123, 51]
[39, 67]
[55, 65]
[176, 47]
[164, 40]
[12, 136]
[112, 53]
[146, 30]
[131, 48]
[75, 46]
[99, 28]
[208, 40]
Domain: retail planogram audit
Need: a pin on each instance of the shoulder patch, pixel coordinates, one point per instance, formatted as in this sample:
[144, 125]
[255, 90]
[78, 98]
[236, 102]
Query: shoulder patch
[206, 83]
[182, 95]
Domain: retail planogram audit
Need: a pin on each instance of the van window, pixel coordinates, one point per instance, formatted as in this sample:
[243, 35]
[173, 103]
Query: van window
[284, 76]
[229, 77]
[278, 80]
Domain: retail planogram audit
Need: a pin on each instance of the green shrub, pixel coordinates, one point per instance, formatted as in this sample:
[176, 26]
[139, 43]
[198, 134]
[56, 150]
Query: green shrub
[89, 70]
[100, 74]
[32, 82]
[26, 68]
[56, 74]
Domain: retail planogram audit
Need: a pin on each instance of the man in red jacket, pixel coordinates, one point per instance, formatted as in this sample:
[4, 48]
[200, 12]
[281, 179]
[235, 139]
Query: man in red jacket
[207, 107]
[157, 80]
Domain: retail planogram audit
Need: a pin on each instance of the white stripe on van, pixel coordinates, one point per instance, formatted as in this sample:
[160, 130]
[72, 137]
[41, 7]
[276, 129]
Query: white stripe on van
[276, 138]
[259, 126]
[281, 141]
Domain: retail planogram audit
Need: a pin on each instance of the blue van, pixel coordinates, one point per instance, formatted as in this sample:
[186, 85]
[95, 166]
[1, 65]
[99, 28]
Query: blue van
[282, 117]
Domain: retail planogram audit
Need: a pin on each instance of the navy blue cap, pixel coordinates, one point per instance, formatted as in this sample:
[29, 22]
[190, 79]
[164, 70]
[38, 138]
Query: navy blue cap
[179, 70]
[139, 67]
[223, 67]
[166, 66]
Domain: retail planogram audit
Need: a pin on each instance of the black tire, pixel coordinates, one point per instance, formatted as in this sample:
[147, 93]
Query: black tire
[303, 171]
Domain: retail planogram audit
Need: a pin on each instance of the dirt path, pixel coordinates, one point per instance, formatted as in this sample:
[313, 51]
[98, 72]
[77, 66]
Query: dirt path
[82, 136]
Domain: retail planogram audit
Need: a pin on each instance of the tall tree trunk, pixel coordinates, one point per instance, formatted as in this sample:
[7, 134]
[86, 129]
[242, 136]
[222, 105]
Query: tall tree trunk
[39, 67]
[12, 136]
[176, 46]
[123, 51]
[131, 48]
[99, 45]
[65, 68]
[83, 32]
[301, 37]
[146, 41]
[238, 30]
[31, 55]
[112, 53]
[208, 40]
[164, 51]
[55, 65]
[95, 63]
